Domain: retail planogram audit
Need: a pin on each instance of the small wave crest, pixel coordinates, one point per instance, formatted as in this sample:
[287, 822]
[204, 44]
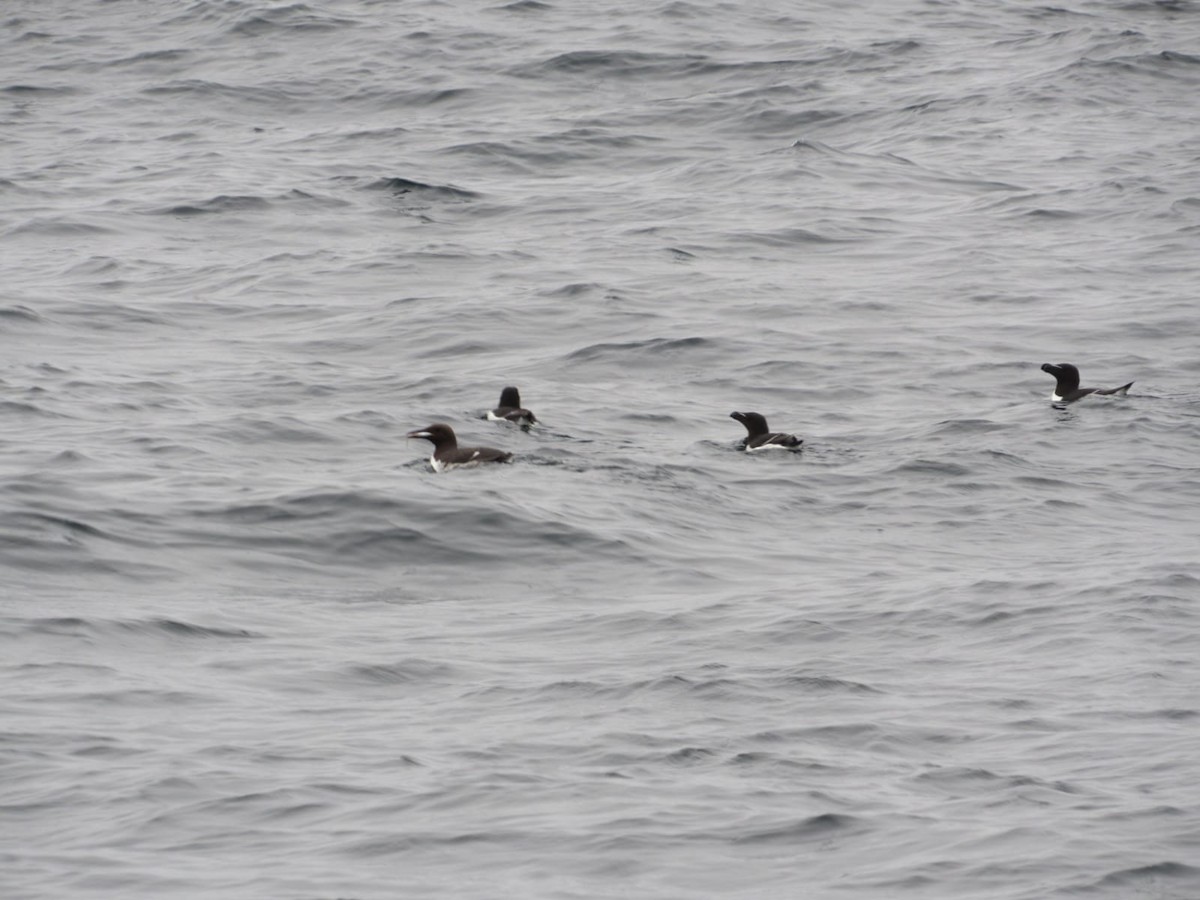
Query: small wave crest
[400, 186]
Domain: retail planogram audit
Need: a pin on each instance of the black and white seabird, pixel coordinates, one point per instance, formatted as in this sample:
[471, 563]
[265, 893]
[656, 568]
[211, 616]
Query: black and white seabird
[1068, 390]
[510, 409]
[760, 437]
[448, 455]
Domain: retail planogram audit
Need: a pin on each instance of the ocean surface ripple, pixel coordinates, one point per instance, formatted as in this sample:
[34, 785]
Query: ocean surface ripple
[252, 646]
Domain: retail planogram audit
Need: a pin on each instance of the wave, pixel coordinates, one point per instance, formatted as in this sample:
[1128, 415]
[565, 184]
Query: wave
[174, 57]
[363, 530]
[222, 203]
[75, 626]
[400, 186]
[280, 21]
[272, 97]
[19, 90]
[1157, 878]
[651, 349]
[818, 827]
[57, 226]
[614, 63]
[410, 671]
[234, 203]
[522, 6]
[319, 533]
[786, 237]
[561, 148]
[416, 98]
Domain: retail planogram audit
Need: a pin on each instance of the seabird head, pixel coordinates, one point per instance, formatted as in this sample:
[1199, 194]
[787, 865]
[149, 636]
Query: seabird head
[755, 423]
[440, 435]
[510, 396]
[1066, 374]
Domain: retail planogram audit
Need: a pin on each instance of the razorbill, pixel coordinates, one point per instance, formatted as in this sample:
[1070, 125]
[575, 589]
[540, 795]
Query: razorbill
[759, 437]
[1068, 390]
[448, 455]
[510, 409]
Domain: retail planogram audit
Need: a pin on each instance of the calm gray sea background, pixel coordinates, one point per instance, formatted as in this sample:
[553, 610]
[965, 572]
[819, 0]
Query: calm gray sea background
[251, 646]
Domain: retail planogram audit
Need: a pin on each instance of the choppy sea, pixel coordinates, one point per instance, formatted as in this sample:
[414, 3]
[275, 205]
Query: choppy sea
[252, 646]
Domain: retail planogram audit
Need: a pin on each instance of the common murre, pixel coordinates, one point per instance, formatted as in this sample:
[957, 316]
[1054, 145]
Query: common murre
[448, 455]
[1067, 390]
[510, 409]
[759, 437]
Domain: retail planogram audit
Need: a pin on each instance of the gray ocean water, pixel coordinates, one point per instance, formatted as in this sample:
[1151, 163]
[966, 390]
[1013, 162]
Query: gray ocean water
[252, 646]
